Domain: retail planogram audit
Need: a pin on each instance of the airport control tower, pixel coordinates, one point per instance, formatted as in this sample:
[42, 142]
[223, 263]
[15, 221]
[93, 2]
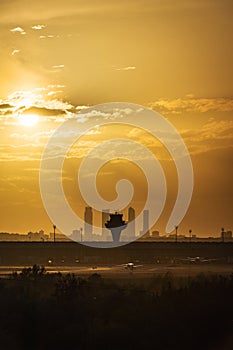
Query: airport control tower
[116, 225]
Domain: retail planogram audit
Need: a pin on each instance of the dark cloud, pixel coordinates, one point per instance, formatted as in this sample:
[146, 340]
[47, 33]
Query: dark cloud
[43, 111]
[5, 106]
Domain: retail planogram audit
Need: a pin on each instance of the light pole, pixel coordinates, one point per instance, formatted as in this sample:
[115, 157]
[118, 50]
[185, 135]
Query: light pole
[176, 227]
[54, 233]
[190, 235]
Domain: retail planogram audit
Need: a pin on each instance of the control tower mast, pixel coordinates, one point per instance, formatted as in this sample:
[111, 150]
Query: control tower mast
[116, 224]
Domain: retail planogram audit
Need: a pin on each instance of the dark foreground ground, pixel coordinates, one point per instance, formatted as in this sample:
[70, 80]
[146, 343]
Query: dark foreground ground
[98, 310]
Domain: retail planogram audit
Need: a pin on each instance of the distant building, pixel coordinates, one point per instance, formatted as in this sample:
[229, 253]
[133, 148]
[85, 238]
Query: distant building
[226, 235]
[155, 234]
[60, 237]
[145, 226]
[76, 235]
[131, 223]
[105, 232]
[37, 236]
[88, 222]
[129, 233]
[146, 221]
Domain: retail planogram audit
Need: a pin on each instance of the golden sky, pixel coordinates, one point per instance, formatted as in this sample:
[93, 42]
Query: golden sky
[57, 57]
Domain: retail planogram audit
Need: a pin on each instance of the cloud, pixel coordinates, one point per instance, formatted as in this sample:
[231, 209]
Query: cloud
[38, 98]
[85, 114]
[52, 93]
[52, 86]
[79, 108]
[43, 111]
[38, 138]
[38, 26]
[212, 136]
[59, 66]
[126, 68]
[14, 52]
[18, 30]
[40, 101]
[24, 152]
[46, 36]
[6, 109]
[5, 106]
[200, 105]
[214, 130]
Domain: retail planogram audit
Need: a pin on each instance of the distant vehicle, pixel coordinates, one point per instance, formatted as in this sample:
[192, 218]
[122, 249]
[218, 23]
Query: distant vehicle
[130, 266]
[197, 260]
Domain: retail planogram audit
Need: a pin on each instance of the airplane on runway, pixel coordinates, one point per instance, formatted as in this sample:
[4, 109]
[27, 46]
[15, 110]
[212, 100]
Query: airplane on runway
[130, 266]
[197, 260]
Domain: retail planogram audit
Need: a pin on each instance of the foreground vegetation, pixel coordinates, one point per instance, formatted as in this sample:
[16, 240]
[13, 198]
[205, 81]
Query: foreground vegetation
[44, 311]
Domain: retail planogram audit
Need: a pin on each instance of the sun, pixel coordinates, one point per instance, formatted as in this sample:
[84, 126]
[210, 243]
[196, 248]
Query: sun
[28, 119]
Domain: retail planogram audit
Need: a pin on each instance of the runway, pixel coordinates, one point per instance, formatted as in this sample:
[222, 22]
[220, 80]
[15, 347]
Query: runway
[144, 271]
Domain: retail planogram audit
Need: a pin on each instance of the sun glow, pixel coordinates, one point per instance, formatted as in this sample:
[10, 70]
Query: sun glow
[28, 119]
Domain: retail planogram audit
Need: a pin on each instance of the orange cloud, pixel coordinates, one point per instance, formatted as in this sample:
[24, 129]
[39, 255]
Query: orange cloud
[201, 105]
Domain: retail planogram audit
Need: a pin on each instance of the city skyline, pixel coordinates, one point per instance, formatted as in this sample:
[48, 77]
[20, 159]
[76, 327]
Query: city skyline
[171, 57]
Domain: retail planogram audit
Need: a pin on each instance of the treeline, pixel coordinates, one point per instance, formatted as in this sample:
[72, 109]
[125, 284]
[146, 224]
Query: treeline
[44, 311]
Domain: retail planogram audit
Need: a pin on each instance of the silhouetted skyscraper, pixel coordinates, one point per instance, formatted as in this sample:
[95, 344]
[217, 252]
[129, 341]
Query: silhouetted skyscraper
[105, 231]
[131, 223]
[145, 225]
[145, 228]
[88, 219]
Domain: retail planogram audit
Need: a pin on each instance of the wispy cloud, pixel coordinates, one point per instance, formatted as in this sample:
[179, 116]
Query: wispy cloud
[212, 136]
[52, 93]
[38, 138]
[47, 36]
[52, 86]
[14, 52]
[126, 68]
[213, 130]
[40, 101]
[201, 105]
[18, 30]
[38, 27]
[59, 66]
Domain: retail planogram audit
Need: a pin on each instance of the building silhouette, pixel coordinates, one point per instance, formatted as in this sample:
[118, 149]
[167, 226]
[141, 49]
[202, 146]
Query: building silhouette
[105, 231]
[155, 234]
[129, 233]
[116, 224]
[226, 235]
[131, 221]
[145, 227]
[88, 222]
[76, 235]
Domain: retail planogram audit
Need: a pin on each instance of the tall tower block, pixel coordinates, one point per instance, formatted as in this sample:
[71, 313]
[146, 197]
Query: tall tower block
[105, 232]
[131, 223]
[88, 222]
[146, 221]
